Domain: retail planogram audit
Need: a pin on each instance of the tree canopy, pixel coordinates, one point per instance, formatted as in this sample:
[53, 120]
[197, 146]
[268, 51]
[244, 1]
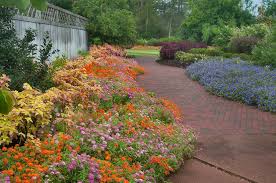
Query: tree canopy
[23, 4]
[205, 13]
[109, 21]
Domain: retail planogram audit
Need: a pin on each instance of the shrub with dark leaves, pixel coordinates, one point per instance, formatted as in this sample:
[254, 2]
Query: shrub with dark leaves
[169, 50]
[237, 80]
[243, 44]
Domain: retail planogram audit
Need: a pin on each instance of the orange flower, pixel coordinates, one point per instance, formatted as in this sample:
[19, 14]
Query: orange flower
[161, 161]
[4, 149]
[173, 108]
[5, 161]
[107, 156]
[131, 108]
[8, 172]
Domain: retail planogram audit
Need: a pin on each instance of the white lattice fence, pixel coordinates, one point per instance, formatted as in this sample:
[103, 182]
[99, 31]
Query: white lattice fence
[66, 29]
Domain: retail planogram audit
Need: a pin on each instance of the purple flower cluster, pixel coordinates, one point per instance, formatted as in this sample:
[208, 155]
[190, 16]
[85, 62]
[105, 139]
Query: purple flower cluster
[75, 163]
[96, 136]
[169, 49]
[237, 80]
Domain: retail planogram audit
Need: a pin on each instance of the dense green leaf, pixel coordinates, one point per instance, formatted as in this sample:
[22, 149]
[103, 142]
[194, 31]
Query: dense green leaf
[20, 4]
[23, 4]
[7, 101]
[39, 4]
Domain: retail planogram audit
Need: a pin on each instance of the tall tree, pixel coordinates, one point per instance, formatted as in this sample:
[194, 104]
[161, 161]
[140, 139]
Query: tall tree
[109, 21]
[66, 4]
[158, 18]
[215, 12]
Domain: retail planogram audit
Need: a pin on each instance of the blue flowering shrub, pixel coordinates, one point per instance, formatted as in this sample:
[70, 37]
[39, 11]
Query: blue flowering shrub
[237, 80]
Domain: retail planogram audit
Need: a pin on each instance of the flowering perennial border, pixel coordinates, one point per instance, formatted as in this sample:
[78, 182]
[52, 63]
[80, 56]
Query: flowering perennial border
[100, 127]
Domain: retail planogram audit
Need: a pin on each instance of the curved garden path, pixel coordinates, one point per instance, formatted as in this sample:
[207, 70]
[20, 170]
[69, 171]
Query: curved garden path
[239, 140]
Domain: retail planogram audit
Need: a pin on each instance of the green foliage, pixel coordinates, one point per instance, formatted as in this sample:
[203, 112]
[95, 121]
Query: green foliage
[223, 36]
[65, 4]
[157, 42]
[218, 52]
[210, 51]
[158, 18]
[265, 53]
[23, 4]
[205, 14]
[254, 30]
[270, 8]
[111, 21]
[83, 53]
[58, 63]
[242, 56]
[189, 58]
[141, 42]
[17, 56]
[7, 101]
[243, 44]
[117, 30]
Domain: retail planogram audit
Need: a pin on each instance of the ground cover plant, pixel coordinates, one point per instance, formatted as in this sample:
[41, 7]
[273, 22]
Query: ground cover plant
[237, 80]
[96, 125]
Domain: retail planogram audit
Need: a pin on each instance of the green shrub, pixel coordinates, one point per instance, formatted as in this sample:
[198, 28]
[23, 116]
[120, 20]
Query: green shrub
[223, 36]
[17, 56]
[242, 56]
[243, 44]
[189, 58]
[58, 63]
[256, 30]
[265, 52]
[210, 51]
[142, 42]
[159, 42]
[83, 53]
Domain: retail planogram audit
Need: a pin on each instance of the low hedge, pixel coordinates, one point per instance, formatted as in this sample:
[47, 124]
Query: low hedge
[210, 51]
[218, 52]
[189, 58]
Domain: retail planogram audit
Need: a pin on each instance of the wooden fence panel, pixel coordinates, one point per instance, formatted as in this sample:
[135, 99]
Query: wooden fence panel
[66, 30]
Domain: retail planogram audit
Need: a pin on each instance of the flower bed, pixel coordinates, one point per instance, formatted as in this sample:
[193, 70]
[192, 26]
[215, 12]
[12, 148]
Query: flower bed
[237, 80]
[97, 125]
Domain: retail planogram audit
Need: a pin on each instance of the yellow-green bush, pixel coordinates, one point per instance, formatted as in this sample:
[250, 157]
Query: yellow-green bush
[32, 112]
[189, 58]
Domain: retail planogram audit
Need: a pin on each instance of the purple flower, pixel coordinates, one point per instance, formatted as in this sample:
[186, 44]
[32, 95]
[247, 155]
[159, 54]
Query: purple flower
[7, 179]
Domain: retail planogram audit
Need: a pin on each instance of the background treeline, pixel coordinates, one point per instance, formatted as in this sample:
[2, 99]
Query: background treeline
[126, 21]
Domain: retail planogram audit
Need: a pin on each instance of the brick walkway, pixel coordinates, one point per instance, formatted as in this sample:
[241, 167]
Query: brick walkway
[232, 135]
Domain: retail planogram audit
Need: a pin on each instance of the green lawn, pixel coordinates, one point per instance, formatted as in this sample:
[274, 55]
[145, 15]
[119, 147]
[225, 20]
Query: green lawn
[140, 53]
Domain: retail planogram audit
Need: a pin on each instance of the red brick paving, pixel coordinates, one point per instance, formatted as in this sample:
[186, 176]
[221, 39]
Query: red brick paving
[240, 138]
